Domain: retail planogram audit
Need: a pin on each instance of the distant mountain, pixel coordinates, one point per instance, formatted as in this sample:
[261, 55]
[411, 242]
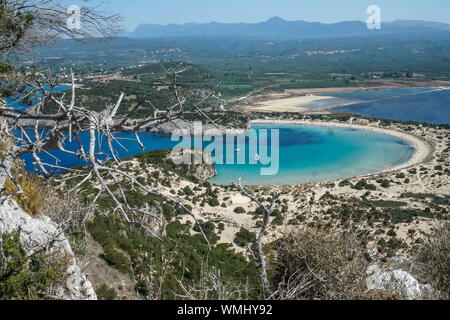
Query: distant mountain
[278, 28]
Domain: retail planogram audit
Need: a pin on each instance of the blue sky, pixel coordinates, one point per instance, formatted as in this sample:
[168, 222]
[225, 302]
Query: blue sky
[182, 11]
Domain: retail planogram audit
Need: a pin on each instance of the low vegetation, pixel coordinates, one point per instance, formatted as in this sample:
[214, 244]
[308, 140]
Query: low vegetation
[32, 199]
[24, 277]
[163, 268]
[320, 264]
[433, 259]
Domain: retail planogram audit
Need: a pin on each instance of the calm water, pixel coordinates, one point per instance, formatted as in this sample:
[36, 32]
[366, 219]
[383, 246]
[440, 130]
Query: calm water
[18, 103]
[314, 153]
[306, 153]
[419, 104]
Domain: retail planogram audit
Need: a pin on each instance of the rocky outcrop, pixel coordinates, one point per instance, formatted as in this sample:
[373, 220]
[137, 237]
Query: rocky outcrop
[391, 278]
[183, 127]
[397, 282]
[359, 121]
[42, 233]
[203, 171]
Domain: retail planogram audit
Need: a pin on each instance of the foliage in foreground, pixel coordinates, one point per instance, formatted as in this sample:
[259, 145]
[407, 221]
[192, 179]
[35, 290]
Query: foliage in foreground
[167, 268]
[32, 199]
[319, 264]
[434, 260]
[25, 277]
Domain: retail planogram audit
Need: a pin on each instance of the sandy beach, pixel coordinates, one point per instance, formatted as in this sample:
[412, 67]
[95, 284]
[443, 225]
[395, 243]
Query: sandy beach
[295, 104]
[307, 100]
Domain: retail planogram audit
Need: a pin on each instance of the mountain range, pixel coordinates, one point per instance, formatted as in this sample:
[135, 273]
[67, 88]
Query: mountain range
[279, 29]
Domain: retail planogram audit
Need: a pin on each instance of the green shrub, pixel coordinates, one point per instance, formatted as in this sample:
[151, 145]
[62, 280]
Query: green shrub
[363, 185]
[156, 265]
[105, 293]
[239, 210]
[244, 237]
[116, 259]
[188, 191]
[344, 183]
[279, 219]
[213, 202]
[385, 183]
[23, 277]
[168, 211]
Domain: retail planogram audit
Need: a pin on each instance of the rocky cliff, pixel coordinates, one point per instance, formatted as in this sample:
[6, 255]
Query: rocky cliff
[204, 171]
[42, 233]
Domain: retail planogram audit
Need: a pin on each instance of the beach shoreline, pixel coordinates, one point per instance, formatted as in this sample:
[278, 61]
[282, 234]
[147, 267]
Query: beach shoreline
[422, 150]
[320, 99]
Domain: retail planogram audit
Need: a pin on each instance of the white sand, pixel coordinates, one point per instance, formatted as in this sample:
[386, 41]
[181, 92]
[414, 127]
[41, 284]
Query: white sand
[288, 104]
[422, 149]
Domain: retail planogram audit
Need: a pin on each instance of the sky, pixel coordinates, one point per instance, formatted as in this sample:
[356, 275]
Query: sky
[136, 12]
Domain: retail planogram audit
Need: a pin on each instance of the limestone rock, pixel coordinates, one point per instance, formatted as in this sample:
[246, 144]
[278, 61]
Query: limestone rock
[182, 127]
[43, 233]
[204, 171]
[397, 282]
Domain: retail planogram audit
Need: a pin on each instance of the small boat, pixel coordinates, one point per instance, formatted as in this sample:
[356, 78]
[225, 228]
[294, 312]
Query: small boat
[257, 157]
[237, 150]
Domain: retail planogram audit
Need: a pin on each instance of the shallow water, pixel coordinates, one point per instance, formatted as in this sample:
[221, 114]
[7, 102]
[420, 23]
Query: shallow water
[418, 104]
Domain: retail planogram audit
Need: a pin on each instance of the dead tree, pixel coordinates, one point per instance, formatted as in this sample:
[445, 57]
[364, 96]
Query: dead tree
[68, 123]
[38, 22]
[260, 259]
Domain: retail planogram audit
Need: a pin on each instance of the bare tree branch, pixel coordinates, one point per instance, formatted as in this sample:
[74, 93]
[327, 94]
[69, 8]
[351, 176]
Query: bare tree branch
[69, 122]
[261, 259]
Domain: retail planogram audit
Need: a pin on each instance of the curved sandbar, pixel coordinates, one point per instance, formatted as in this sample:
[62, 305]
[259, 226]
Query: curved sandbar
[421, 149]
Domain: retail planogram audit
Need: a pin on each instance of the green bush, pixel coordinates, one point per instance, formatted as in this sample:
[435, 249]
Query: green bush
[400, 176]
[168, 211]
[105, 293]
[244, 237]
[344, 183]
[116, 259]
[23, 277]
[363, 185]
[279, 219]
[239, 210]
[155, 263]
[188, 191]
[385, 183]
[213, 202]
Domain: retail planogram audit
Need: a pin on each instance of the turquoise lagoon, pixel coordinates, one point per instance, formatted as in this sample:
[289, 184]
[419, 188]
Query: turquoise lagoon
[307, 153]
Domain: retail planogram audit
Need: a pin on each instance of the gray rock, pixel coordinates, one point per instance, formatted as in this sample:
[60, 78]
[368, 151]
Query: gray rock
[42, 233]
[397, 282]
[188, 128]
[202, 171]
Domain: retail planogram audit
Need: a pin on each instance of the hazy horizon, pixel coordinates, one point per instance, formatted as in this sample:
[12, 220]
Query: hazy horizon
[139, 12]
[289, 20]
